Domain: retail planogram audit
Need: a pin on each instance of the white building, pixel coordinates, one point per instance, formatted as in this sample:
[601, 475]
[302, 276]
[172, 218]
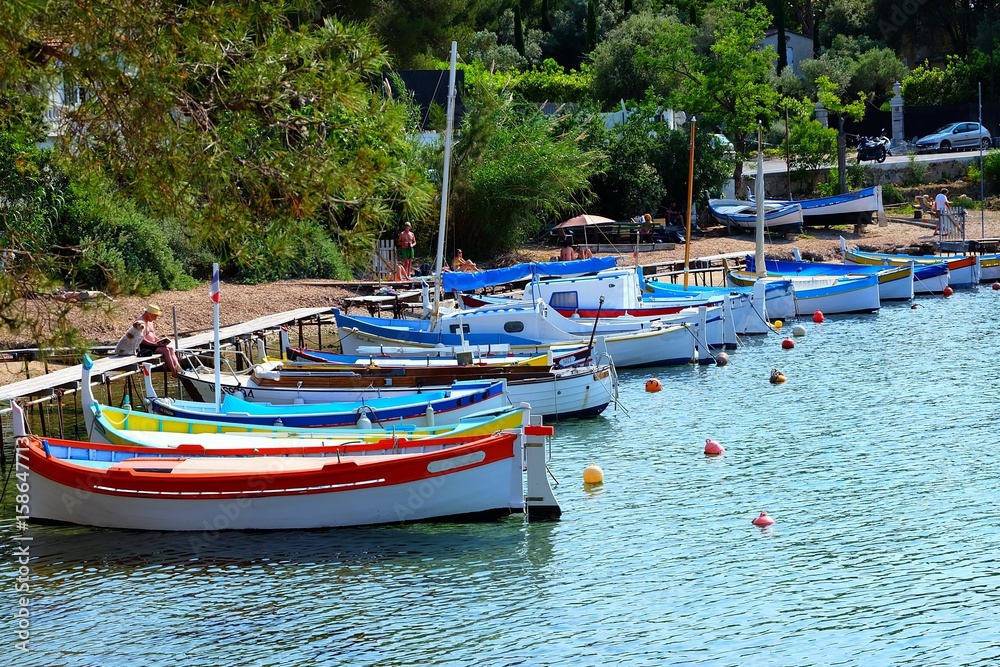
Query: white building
[797, 47]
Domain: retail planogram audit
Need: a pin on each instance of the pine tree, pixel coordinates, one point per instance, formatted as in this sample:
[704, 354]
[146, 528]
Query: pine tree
[518, 28]
[547, 16]
[591, 25]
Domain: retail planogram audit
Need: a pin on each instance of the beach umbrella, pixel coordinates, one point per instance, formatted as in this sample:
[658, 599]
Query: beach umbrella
[584, 221]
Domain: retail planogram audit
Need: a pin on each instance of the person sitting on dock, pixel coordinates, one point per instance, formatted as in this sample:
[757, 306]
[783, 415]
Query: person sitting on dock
[152, 343]
[462, 264]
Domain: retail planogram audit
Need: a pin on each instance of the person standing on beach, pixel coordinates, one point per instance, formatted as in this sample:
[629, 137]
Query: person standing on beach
[941, 205]
[407, 242]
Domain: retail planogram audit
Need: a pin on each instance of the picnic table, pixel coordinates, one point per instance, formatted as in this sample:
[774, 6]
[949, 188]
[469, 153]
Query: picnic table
[397, 302]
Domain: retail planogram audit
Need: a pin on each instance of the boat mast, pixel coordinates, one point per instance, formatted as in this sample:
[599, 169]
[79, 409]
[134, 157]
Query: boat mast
[759, 194]
[446, 175]
[690, 202]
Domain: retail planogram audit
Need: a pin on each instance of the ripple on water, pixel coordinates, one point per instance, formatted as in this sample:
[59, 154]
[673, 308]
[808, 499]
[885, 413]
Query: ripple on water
[875, 459]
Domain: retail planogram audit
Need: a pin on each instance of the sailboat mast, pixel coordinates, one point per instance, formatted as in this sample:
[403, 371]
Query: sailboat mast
[446, 176]
[759, 195]
[690, 203]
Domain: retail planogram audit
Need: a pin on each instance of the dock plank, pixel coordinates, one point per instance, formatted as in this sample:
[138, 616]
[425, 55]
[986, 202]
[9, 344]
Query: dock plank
[70, 376]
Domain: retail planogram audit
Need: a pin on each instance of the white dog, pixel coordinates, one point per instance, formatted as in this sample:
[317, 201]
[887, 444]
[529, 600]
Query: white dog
[128, 346]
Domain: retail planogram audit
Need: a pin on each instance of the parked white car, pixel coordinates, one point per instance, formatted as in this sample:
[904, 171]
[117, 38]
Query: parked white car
[955, 135]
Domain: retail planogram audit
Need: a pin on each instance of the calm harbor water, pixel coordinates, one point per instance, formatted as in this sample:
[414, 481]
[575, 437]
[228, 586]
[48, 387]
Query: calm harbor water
[876, 459]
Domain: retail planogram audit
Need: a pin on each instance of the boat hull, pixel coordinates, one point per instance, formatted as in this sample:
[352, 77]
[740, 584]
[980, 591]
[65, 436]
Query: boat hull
[782, 218]
[560, 394]
[481, 479]
[827, 295]
[963, 271]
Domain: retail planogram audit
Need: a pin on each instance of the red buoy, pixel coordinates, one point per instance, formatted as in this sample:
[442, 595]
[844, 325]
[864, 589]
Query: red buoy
[763, 520]
[948, 291]
[653, 385]
[712, 448]
[787, 344]
[996, 286]
[818, 317]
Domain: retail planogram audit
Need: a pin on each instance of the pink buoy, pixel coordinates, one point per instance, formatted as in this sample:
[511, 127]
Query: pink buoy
[948, 291]
[787, 344]
[712, 448]
[763, 520]
[996, 286]
[818, 317]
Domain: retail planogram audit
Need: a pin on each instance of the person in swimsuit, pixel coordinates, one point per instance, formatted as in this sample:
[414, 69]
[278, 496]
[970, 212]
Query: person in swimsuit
[407, 242]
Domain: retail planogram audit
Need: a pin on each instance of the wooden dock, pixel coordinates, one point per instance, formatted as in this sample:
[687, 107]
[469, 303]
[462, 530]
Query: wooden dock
[70, 377]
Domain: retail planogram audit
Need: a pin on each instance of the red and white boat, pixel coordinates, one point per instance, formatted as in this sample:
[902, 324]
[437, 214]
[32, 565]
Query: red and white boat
[191, 488]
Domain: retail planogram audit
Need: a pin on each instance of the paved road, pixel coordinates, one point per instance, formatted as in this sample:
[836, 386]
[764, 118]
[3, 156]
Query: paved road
[778, 166]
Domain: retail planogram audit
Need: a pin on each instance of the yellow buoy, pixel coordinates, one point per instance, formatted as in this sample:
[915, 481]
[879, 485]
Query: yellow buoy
[593, 474]
[778, 324]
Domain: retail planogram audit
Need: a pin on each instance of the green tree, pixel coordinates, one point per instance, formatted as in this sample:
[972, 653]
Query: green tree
[591, 25]
[513, 169]
[647, 165]
[621, 61]
[830, 97]
[724, 75]
[518, 29]
[244, 121]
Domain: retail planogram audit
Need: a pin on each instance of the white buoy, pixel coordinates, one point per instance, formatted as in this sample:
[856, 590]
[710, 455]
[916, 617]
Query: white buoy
[798, 330]
[364, 422]
[721, 359]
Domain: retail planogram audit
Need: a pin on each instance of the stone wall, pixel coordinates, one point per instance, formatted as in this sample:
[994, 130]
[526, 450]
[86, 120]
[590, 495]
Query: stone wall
[948, 170]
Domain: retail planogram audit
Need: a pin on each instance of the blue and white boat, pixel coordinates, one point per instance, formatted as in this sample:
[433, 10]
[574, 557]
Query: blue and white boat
[427, 409]
[779, 217]
[850, 208]
[895, 283]
[629, 342]
[827, 294]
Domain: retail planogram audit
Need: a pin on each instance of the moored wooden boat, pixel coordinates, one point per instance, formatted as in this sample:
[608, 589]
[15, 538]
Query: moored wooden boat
[428, 408]
[557, 393]
[125, 426]
[895, 283]
[829, 295]
[629, 344]
[143, 488]
[963, 270]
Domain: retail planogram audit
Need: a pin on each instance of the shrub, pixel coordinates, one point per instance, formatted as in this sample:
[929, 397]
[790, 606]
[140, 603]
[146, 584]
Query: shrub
[965, 201]
[126, 251]
[917, 173]
[891, 194]
[991, 170]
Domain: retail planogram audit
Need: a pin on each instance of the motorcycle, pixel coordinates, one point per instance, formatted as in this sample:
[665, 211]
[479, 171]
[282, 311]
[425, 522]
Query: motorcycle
[873, 148]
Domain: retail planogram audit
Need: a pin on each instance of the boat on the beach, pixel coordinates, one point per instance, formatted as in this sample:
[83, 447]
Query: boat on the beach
[145, 488]
[850, 208]
[779, 218]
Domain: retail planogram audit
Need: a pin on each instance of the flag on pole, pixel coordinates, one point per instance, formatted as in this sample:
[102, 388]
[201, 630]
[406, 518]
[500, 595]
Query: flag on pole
[213, 291]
